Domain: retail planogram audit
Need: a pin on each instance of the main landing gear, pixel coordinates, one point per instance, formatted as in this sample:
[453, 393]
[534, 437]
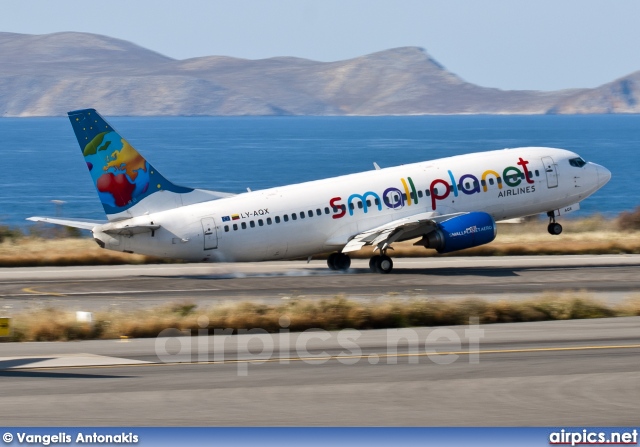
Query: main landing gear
[339, 261]
[381, 264]
[378, 263]
[553, 228]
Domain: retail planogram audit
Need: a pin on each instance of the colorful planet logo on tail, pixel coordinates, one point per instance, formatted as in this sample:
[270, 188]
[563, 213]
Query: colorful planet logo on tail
[120, 173]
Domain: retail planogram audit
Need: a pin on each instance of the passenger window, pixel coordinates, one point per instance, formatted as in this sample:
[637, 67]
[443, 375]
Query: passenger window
[235, 227]
[286, 218]
[467, 185]
[537, 173]
[269, 221]
[404, 196]
[226, 228]
[243, 225]
[491, 182]
[252, 224]
[260, 222]
[483, 183]
[294, 216]
[302, 216]
[377, 201]
[368, 202]
[319, 212]
[327, 210]
[360, 205]
[335, 209]
[277, 219]
[420, 193]
[427, 192]
[351, 206]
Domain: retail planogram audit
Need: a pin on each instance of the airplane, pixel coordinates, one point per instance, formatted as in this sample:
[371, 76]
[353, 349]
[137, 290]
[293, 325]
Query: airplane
[447, 204]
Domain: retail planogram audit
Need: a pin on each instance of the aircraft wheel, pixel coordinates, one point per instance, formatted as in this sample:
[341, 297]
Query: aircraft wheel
[331, 261]
[339, 261]
[343, 262]
[554, 228]
[384, 264]
[373, 263]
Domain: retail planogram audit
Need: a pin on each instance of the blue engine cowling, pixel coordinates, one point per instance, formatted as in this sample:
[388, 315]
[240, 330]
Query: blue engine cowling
[458, 233]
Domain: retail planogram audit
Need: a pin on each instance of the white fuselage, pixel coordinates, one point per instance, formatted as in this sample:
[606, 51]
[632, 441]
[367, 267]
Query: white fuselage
[260, 225]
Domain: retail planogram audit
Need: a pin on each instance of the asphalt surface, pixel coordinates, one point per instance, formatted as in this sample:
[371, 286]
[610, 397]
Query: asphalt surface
[93, 288]
[571, 373]
[562, 373]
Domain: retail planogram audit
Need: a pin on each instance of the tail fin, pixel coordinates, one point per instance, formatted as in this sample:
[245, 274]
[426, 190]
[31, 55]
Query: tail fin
[121, 175]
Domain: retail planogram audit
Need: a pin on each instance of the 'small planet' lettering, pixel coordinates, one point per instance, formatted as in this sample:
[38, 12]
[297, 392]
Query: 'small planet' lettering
[393, 197]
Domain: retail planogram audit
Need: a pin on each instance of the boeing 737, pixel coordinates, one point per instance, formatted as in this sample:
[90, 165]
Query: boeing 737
[447, 204]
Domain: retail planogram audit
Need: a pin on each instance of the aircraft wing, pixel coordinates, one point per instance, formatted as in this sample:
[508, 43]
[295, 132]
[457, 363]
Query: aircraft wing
[84, 224]
[399, 230]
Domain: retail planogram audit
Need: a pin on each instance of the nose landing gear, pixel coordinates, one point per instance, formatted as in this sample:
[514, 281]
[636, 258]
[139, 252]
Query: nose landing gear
[553, 228]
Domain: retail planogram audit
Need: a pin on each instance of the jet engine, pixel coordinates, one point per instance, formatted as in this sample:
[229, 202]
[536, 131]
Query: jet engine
[458, 233]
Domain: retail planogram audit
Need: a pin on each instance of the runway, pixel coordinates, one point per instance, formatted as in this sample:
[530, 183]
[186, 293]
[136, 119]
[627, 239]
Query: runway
[92, 288]
[573, 373]
[561, 373]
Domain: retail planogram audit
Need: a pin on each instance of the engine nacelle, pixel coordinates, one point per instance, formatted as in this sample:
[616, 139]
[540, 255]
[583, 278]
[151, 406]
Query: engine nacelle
[458, 233]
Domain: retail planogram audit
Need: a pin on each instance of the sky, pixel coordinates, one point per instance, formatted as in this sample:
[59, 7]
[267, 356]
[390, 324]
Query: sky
[508, 44]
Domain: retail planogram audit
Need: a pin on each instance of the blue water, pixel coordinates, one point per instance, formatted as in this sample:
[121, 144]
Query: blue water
[40, 160]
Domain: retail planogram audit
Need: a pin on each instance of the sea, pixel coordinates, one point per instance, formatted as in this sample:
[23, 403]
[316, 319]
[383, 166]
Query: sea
[42, 171]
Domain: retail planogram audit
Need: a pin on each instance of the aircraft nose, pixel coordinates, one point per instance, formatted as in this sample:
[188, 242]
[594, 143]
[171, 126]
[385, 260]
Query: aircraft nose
[604, 175]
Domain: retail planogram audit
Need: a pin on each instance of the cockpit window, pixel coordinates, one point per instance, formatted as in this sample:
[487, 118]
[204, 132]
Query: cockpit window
[577, 162]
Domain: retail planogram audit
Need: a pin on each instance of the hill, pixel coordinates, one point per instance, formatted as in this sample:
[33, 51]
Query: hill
[48, 75]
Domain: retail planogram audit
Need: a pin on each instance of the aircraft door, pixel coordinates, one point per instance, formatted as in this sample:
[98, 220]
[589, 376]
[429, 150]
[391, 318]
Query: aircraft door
[210, 233]
[550, 171]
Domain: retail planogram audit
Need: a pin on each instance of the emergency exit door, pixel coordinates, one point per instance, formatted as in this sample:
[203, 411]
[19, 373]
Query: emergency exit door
[210, 233]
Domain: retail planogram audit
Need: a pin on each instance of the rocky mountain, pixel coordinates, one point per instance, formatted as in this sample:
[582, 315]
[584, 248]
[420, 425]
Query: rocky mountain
[619, 96]
[45, 75]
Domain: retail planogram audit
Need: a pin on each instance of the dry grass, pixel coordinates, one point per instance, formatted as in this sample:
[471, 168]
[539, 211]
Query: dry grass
[593, 235]
[52, 324]
[35, 251]
[629, 220]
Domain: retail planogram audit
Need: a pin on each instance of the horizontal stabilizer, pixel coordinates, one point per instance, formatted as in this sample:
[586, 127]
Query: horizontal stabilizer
[84, 224]
[129, 230]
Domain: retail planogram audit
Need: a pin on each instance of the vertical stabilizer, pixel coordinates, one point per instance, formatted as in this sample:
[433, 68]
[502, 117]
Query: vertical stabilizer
[122, 177]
